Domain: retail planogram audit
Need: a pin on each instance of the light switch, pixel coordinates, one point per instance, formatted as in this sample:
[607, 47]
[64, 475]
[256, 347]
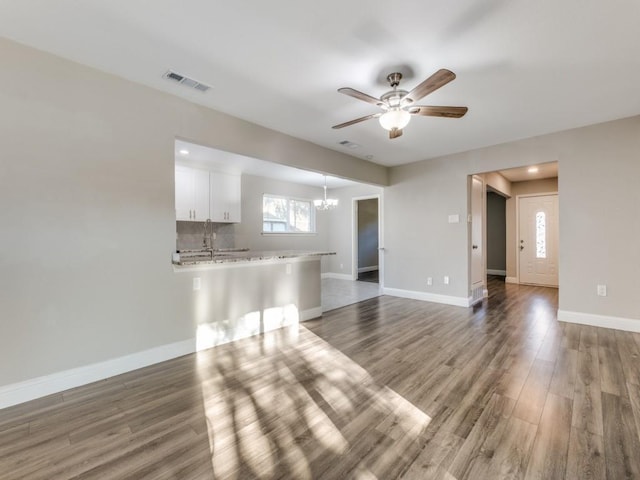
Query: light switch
[602, 290]
[197, 283]
[454, 218]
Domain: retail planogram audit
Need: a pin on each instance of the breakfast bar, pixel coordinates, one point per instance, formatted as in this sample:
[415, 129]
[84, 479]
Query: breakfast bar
[239, 293]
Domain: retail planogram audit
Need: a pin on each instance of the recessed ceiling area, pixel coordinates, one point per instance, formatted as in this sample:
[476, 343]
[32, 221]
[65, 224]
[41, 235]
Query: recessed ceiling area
[531, 172]
[198, 155]
[523, 68]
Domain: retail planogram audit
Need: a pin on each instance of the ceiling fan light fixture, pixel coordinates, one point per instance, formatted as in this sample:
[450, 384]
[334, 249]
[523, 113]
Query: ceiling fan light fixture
[395, 118]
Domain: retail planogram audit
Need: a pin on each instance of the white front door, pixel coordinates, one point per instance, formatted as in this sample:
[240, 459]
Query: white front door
[538, 239]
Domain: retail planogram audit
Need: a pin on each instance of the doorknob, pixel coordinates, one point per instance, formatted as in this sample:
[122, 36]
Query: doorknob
[475, 247]
[521, 247]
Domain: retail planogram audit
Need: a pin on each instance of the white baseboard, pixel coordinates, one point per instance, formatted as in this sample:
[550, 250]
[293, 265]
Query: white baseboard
[338, 276]
[310, 314]
[496, 272]
[21, 392]
[427, 297]
[511, 280]
[57, 382]
[605, 321]
[368, 269]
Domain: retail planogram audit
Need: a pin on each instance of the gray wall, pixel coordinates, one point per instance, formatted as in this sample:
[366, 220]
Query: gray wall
[88, 222]
[340, 229]
[368, 233]
[249, 231]
[496, 232]
[599, 215]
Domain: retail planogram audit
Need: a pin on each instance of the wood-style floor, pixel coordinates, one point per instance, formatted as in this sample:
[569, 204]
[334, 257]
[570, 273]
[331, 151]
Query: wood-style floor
[387, 388]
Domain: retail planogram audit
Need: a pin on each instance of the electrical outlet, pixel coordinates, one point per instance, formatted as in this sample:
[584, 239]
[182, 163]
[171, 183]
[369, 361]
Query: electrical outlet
[341, 266]
[602, 290]
[429, 281]
[197, 283]
[446, 280]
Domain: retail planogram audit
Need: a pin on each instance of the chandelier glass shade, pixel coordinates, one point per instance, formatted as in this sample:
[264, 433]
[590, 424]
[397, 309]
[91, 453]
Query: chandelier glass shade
[325, 203]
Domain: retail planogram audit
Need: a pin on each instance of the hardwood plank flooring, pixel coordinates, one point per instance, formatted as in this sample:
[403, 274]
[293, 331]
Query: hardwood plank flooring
[388, 388]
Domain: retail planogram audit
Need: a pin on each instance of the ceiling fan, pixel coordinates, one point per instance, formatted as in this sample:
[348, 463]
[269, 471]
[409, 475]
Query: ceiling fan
[399, 105]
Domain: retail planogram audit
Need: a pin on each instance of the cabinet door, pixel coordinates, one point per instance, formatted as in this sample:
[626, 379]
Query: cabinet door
[200, 195]
[225, 197]
[184, 193]
[192, 194]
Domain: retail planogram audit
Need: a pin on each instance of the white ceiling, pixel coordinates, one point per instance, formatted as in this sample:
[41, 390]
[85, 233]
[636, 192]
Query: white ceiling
[524, 68]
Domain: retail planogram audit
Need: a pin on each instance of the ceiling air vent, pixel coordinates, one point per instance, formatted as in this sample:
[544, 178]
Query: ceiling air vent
[348, 144]
[186, 81]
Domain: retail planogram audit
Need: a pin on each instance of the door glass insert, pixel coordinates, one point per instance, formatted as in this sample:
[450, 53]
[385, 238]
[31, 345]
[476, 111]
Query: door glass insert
[541, 235]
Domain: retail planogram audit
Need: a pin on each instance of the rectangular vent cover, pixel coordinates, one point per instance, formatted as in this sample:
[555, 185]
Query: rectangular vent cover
[348, 144]
[186, 81]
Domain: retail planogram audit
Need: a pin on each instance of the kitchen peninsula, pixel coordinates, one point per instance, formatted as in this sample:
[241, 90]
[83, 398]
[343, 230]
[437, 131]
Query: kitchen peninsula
[236, 294]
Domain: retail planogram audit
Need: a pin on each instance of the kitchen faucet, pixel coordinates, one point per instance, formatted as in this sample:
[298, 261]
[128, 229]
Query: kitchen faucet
[207, 238]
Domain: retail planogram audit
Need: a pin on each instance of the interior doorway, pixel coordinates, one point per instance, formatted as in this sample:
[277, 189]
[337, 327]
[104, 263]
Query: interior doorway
[496, 234]
[510, 185]
[366, 245]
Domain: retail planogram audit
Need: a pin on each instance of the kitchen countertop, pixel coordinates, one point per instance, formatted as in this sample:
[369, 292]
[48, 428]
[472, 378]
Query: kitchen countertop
[230, 256]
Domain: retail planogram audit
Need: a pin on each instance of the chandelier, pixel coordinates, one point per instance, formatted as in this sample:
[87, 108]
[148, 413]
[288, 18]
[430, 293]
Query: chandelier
[325, 203]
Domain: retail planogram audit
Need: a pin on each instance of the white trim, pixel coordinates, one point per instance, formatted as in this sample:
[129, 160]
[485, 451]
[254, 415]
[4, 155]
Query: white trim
[511, 280]
[373, 268]
[57, 382]
[338, 276]
[428, 297]
[354, 234]
[27, 390]
[491, 271]
[310, 314]
[604, 321]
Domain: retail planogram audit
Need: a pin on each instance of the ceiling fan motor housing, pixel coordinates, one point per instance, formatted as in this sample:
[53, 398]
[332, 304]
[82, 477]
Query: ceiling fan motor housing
[394, 79]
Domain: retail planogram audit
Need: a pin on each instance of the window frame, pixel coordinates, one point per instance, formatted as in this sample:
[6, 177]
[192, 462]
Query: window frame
[289, 199]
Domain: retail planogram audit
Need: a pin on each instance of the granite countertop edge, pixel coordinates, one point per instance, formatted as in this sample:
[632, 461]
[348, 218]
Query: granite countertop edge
[251, 256]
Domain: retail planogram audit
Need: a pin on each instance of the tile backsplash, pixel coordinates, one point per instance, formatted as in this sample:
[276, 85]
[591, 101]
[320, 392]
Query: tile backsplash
[189, 235]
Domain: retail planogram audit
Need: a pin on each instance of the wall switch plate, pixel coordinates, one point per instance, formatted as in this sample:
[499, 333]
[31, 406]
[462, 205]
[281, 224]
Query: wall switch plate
[454, 218]
[602, 290]
[288, 269]
[446, 280]
[429, 281]
[197, 283]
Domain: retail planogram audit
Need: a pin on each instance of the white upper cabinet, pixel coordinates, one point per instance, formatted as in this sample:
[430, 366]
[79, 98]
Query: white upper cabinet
[225, 197]
[192, 194]
[201, 194]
